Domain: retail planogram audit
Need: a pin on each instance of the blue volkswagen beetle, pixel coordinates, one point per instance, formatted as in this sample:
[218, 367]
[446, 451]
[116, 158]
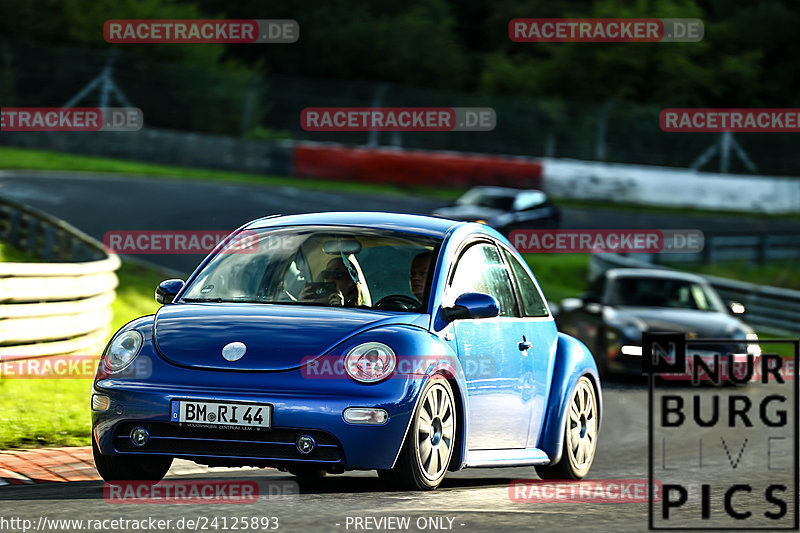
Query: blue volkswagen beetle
[327, 342]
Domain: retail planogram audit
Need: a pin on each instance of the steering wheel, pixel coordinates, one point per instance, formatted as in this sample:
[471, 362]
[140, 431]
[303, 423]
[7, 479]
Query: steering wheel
[398, 302]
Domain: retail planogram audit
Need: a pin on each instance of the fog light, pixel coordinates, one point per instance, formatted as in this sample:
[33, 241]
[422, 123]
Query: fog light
[139, 436]
[100, 402]
[305, 444]
[364, 415]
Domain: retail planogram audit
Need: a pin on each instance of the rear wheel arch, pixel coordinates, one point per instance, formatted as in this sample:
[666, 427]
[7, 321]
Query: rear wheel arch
[573, 361]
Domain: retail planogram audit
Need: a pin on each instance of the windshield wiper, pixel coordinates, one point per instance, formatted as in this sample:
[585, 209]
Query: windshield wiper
[193, 300]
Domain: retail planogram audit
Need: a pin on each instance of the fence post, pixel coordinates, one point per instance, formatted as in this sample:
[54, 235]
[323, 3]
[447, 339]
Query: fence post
[708, 247]
[763, 248]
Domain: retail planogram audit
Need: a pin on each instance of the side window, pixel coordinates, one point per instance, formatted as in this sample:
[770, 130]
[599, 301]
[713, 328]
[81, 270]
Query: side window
[532, 301]
[481, 269]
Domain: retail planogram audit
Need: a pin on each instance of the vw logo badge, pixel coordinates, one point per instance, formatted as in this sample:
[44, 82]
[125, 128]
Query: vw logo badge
[234, 351]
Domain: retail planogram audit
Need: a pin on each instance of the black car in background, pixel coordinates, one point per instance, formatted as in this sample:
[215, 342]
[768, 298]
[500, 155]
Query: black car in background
[623, 303]
[504, 209]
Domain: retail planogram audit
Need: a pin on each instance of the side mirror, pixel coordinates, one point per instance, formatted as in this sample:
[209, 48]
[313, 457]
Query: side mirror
[167, 290]
[472, 305]
[736, 308]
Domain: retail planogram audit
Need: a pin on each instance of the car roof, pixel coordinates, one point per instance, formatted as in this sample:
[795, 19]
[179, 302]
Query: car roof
[658, 273]
[419, 224]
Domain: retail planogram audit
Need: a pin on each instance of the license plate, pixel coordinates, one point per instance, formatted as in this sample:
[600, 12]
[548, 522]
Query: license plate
[221, 414]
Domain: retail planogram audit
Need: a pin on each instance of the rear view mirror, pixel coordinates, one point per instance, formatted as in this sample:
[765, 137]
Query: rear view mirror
[167, 290]
[341, 246]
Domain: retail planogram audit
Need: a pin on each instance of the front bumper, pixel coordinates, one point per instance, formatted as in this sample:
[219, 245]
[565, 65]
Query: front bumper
[625, 363]
[300, 406]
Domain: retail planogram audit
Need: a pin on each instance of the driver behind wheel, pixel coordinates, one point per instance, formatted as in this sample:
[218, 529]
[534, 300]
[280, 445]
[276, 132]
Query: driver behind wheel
[418, 275]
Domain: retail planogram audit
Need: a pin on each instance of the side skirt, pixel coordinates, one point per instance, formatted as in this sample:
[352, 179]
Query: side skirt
[495, 458]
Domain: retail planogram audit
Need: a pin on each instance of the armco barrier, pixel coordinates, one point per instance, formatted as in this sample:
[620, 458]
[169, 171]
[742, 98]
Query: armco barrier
[666, 186]
[769, 309]
[407, 167]
[59, 307]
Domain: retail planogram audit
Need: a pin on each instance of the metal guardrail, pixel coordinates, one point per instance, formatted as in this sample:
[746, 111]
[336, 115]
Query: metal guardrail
[751, 247]
[58, 307]
[769, 309]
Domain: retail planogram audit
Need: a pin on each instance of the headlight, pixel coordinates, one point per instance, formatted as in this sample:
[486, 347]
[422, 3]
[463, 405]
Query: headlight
[370, 362]
[122, 351]
[754, 349]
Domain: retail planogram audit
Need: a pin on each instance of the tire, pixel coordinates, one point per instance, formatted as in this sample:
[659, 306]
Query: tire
[429, 444]
[130, 468]
[580, 435]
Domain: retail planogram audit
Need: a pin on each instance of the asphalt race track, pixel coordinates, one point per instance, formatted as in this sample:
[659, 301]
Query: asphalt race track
[97, 204]
[475, 500]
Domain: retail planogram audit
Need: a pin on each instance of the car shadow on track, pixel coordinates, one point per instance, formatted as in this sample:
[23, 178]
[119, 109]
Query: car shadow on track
[338, 484]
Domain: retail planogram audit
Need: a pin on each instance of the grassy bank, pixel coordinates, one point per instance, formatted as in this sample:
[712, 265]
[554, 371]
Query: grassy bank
[55, 412]
[12, 254]
[560, 275]
[22, 159]
[776, 273]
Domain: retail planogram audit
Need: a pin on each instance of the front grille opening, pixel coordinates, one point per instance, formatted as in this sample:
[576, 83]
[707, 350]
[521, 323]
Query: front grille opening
[270, 445]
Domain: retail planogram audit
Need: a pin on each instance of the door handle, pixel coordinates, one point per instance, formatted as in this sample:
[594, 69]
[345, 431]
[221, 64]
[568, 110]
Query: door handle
[525, 345]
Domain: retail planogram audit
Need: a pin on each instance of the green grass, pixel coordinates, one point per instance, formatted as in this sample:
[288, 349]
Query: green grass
[23, 159]
[776, 273]
[560, 275]
[12, 254]
[784, 350]
[135, 293]
[55, 412]
[46, 412]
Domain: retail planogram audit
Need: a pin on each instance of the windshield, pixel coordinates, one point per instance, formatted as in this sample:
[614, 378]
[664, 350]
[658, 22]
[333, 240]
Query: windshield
[326, 266]
[659, 292]
[485, 199]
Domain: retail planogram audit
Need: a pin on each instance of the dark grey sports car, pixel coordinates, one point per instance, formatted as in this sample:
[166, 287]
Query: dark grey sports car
[624, 302]
[505, 209]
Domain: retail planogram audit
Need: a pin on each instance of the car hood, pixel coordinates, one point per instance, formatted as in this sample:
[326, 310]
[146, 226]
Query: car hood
[469, 213]
[706, 324]
[277, 337]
